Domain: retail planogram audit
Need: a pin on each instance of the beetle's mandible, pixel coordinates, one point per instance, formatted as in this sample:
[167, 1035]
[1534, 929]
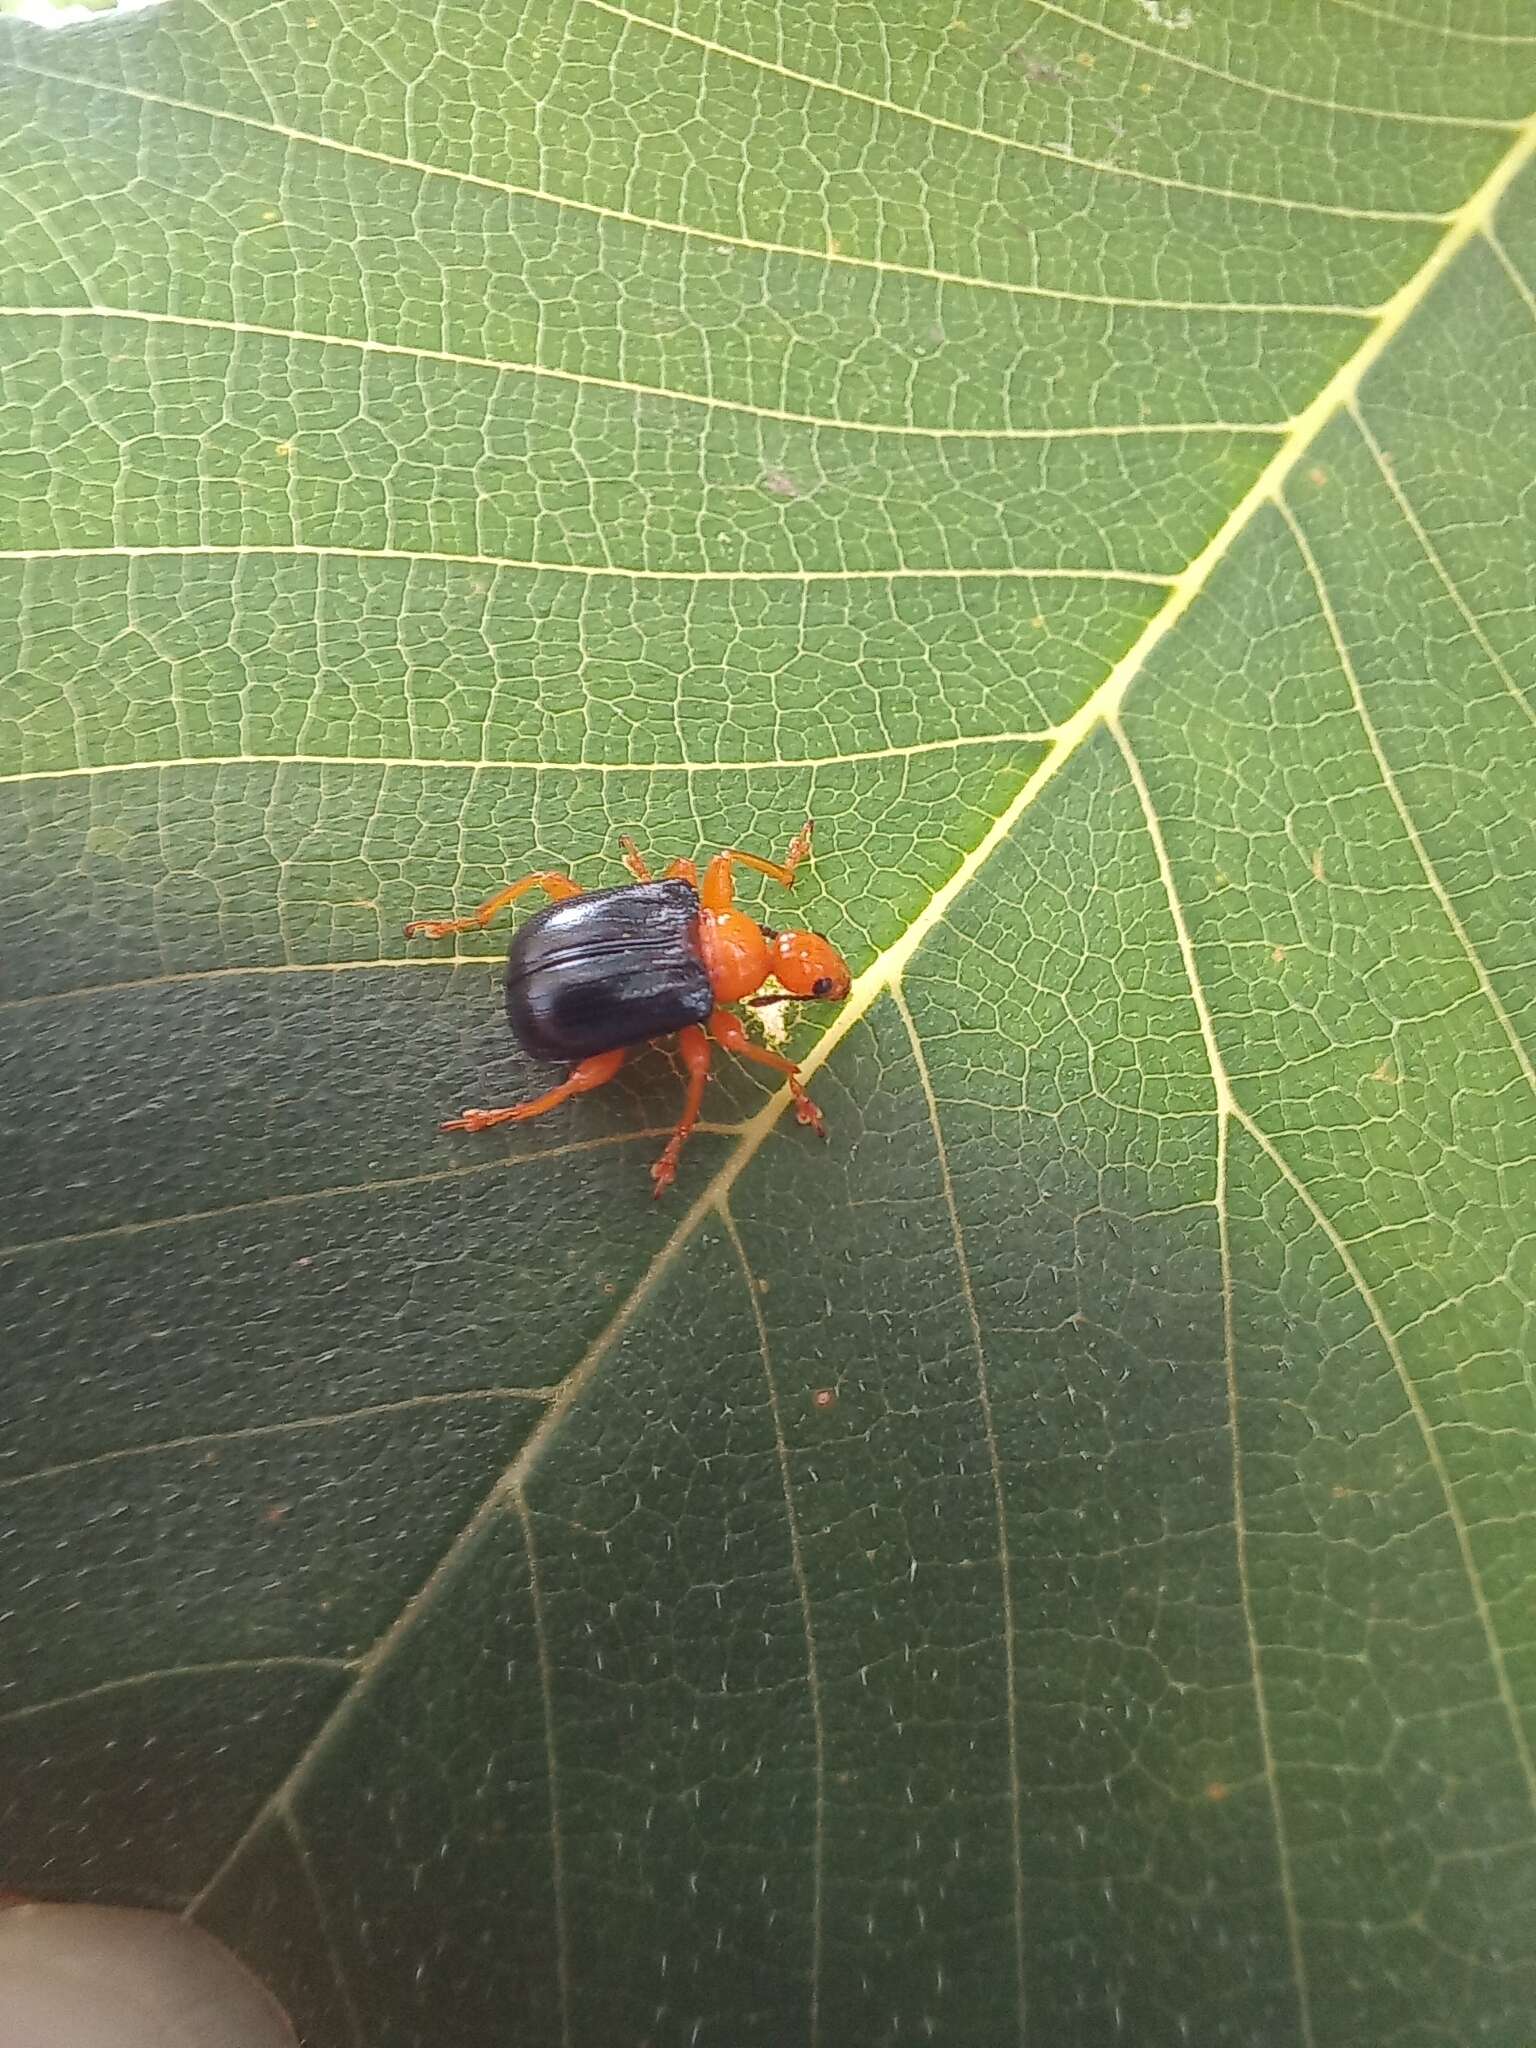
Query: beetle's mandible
[598, 972]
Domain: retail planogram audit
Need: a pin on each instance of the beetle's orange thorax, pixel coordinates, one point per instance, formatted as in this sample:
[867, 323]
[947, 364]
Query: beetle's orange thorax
[735, 953]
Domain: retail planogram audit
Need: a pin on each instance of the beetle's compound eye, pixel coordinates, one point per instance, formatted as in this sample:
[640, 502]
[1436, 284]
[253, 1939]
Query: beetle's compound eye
[768, 932]
[823, 987]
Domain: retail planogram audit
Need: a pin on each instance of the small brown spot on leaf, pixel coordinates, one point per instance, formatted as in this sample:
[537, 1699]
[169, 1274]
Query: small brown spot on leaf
[1317, 475]
[274, 1514]
[780, 484]
[825, 1397]
[1035, 69]
[1278, 955]
[1317, 866]
[1087, 61]
[1216, 1791]
[1385, 1072]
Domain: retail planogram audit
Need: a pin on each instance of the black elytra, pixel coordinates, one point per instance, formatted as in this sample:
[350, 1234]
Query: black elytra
[607, 969]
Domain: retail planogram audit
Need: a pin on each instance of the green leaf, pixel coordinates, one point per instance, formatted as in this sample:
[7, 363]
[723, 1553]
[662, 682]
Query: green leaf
[1055, 1564]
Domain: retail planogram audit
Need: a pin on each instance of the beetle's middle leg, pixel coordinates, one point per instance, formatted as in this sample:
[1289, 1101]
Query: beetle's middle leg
[581, 1080]
[557, 887]
[693, 1049]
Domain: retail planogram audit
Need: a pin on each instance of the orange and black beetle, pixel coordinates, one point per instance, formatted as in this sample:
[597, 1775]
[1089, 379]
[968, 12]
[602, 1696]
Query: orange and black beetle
[599, 972]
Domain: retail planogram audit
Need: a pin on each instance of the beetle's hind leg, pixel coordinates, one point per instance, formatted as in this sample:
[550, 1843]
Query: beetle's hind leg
[693, 1050]
[581, 1080]
[558, 888]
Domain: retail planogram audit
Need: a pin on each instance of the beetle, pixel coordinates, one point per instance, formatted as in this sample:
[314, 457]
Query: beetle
[601, 970]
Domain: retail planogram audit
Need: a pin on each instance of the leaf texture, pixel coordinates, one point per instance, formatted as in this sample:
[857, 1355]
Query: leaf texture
[1055, 1565]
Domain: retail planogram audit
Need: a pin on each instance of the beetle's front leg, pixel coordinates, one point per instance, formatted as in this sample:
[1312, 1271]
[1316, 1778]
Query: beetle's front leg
[728, 1030]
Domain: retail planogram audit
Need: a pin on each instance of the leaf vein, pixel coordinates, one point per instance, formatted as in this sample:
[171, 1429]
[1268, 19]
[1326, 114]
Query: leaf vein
[803, 1595]
[1432, 555]
[295, 1834]
[784, 765]
[1342, 1250]
[1098, 166]
[714, 237]
[551, 1766]
[1000, 1509]
[1226, 1108]
[1277, 92]
[1430, 28]
[1511, 271]
[900, 573]
[253, 1432]
[1389, 782]
[27, 1247]
[136, 1679]
[366, 346]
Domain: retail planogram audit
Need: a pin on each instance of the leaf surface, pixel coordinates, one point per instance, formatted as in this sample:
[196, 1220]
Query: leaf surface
[1054, 1565]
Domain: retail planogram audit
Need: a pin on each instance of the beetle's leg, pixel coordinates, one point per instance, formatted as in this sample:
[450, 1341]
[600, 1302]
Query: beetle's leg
[693, 1047]
[556, 887]
[727, 1029]
[634, 859]
[581, 1080]
[639, 867]
[717, 893]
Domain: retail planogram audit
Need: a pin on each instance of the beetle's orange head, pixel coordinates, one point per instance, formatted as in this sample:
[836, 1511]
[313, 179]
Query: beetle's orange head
[804, 965]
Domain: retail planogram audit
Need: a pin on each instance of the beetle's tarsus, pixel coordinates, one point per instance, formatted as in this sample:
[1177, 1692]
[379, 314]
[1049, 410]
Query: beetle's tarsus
[799, 847]
[475, 1120]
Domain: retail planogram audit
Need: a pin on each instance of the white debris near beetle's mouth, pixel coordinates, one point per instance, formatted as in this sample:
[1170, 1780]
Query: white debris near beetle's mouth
[774, 1018]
